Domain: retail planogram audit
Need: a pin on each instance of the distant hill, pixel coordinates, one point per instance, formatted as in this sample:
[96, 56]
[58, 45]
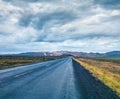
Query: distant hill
[114, 54]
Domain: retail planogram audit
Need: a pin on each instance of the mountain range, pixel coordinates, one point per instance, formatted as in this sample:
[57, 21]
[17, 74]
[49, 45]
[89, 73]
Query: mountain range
[114, 54]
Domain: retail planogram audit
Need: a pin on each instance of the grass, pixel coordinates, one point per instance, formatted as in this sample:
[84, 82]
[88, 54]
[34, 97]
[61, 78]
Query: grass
[14, 61]
[102, 70]
[107, 64]
[112, 60]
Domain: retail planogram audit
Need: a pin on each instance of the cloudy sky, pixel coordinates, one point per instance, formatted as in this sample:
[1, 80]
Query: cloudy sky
[55, 25]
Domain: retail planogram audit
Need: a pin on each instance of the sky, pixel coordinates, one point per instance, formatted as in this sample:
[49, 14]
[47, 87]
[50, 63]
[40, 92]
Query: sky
[59, 25]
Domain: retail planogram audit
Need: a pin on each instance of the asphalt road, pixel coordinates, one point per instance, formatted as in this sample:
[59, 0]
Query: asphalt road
[57, 79]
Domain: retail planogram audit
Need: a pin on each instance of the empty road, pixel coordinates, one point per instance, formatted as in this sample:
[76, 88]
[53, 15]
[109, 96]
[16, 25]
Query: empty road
[57, 79]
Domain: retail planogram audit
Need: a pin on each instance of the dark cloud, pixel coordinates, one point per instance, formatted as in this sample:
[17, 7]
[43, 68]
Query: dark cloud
[40, 20]
[52, 38]
[41, 0]
[26, 20]
[109, 4]
[26, 1]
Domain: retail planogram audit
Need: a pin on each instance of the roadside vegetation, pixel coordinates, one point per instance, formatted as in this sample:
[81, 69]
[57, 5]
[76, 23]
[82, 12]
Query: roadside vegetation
[13, 61]
[105, 69]
[112, 60]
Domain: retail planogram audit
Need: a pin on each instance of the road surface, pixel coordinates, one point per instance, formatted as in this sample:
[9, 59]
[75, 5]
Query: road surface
[57, 79]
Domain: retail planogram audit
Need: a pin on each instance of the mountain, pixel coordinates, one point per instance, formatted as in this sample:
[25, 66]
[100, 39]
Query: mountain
[114, 54]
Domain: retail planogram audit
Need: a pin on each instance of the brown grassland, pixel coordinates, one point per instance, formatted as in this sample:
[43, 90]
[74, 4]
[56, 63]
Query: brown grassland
[14, 61]
[105, 69]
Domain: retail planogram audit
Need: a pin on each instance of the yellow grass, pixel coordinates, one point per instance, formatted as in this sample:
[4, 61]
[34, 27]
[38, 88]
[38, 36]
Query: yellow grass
[109, 78]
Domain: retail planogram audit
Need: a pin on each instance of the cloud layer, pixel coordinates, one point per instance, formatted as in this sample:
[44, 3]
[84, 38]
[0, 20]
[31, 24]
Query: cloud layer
[50, 25]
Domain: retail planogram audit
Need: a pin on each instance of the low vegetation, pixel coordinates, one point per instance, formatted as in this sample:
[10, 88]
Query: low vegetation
[13, 61]
[112, 60]
[106, 70]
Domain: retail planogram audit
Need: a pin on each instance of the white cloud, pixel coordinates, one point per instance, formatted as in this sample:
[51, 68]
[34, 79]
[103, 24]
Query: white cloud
[58, 25]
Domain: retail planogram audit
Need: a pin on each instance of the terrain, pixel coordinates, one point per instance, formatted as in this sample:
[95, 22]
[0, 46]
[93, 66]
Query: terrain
[57, 79]
[112, 54]
[15, 61]
[105, 69]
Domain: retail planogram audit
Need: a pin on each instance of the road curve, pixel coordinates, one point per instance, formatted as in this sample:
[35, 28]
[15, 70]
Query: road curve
[57, 79]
